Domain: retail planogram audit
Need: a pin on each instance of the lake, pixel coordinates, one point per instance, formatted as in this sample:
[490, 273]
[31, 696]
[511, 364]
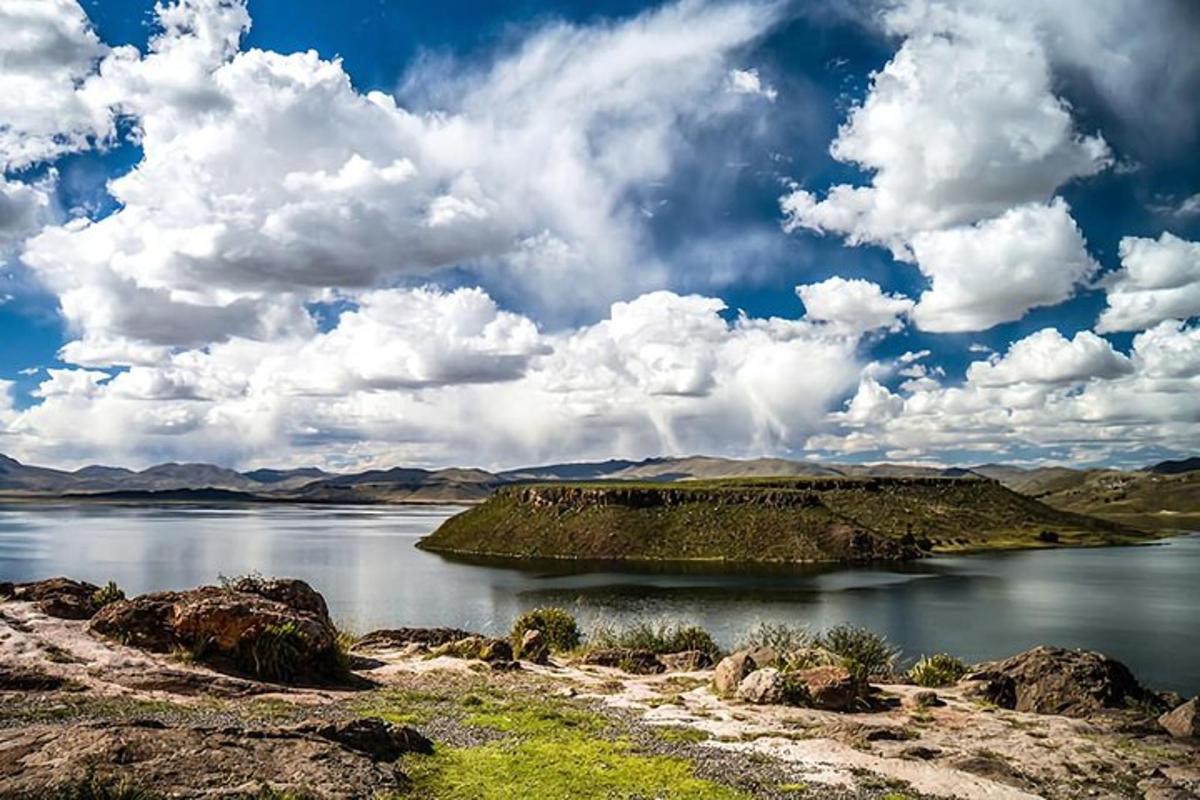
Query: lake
[1138, 604]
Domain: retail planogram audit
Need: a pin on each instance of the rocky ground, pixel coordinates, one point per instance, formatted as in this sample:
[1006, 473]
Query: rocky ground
[90, 709]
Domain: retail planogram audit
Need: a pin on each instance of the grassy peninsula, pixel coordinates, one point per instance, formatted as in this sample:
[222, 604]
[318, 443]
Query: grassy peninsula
[767, 520]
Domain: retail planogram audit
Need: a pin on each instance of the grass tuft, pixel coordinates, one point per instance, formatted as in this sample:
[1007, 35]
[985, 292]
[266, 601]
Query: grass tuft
[93, 787]
[937, 670]
[108, 593]
[276, 654]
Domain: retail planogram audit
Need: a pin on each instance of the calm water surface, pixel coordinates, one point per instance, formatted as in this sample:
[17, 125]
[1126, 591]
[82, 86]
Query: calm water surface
[1139, 604]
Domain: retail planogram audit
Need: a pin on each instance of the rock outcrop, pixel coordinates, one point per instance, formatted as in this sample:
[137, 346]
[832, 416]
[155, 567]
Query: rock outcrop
[636, 662]
[1184, 721]
[397, 638]
[277, 630]
[1052, 680]
[373, 737]
[482, 648]
[58, 597]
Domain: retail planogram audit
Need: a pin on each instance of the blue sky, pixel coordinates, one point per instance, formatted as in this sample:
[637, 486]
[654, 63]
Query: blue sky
[702, 217]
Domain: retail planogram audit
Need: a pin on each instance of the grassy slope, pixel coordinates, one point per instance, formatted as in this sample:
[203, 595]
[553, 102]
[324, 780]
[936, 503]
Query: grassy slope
[1170, 502]
[764, 520]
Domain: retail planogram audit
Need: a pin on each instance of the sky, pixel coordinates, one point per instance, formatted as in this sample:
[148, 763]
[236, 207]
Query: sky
[374, 233]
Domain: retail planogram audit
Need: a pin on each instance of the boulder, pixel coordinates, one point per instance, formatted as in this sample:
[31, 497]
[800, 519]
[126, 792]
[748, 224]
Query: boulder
[1184, 721]
[59, 597]
[399, 638]
[371, 736]
[483, 648]
[1053, 680]
[764, 656]
[686, 661]
[730, 672]
[637, 662]
[925, 698]
[762, 687]
[534, 647]
[292, 592]
[830, 688]
[246, 630]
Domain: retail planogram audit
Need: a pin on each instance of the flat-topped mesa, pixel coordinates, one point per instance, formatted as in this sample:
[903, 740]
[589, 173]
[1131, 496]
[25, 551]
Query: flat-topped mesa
[773, 520]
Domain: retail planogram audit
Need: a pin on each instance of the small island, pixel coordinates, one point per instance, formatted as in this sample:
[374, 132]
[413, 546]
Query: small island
[765, 520]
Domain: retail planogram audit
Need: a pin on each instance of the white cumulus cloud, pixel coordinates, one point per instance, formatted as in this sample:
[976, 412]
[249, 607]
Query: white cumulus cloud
[1159, 279]
[994, 271]
[854, 305]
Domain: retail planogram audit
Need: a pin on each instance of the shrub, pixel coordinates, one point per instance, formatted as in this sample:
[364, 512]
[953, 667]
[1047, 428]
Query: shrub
[779, 637]
[276, 654]
[658, 638]
[558, 627]
[693, 637]
[937, 670]
[867, 654]
[109, 593]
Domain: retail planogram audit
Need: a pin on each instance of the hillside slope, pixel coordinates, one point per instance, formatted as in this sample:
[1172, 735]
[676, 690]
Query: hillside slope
[1156, 498]
[772, 520]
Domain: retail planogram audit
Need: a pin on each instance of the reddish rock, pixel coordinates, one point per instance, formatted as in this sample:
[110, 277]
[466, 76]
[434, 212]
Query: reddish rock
[830, 688]
[534, 647]
[730, 672]
[59, 597]
[249, 631]
[1184, 721]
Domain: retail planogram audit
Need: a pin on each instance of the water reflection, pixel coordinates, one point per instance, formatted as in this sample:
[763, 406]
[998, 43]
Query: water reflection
[1138, 604]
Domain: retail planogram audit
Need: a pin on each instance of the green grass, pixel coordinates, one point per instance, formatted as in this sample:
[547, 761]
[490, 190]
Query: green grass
[677, 735]
[654, 636]
[565, 767]
[531, 717]
[546, 748]
[780, 637]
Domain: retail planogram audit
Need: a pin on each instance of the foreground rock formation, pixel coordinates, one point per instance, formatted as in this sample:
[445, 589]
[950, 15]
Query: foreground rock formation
[273, 629]
[431, 717]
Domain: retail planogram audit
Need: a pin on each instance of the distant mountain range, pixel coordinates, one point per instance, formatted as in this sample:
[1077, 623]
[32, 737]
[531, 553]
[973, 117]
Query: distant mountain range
[1166, 494]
